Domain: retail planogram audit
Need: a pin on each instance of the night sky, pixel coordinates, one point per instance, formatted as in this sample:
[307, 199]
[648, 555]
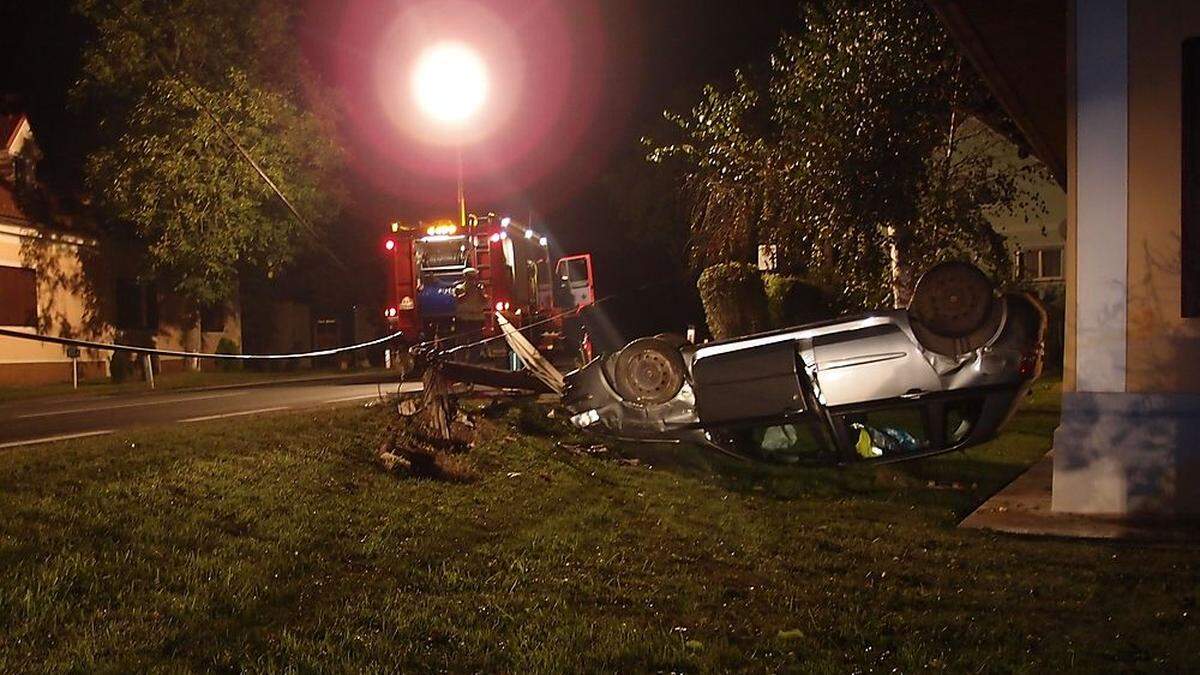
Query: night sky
[579, 82]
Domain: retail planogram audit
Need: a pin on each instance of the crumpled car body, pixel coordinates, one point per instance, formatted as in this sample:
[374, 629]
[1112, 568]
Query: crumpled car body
[876, 387]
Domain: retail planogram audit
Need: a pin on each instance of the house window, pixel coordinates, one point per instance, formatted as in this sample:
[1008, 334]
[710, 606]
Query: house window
[137, 305]
[1041, 264]
[18, 296]
[1189, 239]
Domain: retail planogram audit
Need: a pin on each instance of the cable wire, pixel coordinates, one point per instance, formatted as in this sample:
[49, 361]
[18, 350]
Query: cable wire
[114, 347]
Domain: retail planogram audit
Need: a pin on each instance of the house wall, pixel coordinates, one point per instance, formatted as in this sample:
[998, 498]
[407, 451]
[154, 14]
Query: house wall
[1163, 349]
[76, 298]
[69, 305]
[1129, 441]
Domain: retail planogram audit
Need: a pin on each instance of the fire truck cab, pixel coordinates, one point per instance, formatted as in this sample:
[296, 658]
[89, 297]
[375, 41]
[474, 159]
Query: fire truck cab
[515, 268]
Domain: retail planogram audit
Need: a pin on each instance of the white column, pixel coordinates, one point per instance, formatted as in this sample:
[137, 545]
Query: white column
[1102, 193]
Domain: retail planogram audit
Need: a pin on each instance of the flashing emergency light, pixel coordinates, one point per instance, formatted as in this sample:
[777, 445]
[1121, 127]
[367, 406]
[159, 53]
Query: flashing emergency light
[395, 227]
[390, 244]
[529, 234]
[442, 230]
[544, 241]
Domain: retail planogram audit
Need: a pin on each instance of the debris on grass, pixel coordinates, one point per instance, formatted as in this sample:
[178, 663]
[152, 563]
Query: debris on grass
[431, 435]
[584, 450]
[393, 463]
[534, 419]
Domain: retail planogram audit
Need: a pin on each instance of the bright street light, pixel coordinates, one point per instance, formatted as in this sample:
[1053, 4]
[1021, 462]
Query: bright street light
[450, 82]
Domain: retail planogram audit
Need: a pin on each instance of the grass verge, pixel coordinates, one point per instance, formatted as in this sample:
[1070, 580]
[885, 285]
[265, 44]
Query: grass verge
[277, 543]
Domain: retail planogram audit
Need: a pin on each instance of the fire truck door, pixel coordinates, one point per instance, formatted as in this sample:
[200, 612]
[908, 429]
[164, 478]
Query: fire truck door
[574, 274]
[404, 285]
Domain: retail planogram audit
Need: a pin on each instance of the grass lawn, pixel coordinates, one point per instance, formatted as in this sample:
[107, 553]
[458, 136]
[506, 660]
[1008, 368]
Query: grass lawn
[277, 543]
[163, 382]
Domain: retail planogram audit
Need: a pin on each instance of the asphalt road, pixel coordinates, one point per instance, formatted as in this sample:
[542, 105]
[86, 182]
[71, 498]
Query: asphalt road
[45, 420]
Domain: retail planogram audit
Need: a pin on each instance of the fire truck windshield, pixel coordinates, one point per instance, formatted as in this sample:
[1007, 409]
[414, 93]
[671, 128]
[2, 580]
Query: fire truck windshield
[441, 253]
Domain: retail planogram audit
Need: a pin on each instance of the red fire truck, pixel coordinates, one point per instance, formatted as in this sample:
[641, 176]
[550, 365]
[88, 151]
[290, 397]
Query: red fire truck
[519, 276]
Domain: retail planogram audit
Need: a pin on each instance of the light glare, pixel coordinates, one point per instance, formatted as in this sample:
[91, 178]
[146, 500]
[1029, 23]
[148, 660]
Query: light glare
[450, 82]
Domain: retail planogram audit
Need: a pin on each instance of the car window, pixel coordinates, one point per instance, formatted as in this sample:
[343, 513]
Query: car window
[786, 443]
[960, 418]
[887, 432]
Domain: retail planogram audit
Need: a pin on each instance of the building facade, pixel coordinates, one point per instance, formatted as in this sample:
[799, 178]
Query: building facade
[56, 281]
[1108, 93]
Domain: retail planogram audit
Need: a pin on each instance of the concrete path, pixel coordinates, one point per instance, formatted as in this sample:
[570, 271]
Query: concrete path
[1023, 507]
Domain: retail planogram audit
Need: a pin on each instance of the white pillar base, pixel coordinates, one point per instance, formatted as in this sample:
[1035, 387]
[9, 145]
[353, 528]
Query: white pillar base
[1128, 454]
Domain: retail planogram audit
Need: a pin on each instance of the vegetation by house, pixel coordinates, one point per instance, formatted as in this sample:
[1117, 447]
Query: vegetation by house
[164, 171]
[278, 542]
[851, 153]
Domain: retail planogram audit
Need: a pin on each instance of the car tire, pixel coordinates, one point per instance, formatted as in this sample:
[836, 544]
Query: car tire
[953, 299]
[649, 371]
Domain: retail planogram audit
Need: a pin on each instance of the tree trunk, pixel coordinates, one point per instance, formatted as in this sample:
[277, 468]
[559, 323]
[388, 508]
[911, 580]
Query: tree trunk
[901, 271]
[193, 363]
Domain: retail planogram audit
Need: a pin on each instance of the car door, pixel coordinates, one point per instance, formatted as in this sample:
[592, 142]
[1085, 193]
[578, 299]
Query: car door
[870, 364]
[756, 383]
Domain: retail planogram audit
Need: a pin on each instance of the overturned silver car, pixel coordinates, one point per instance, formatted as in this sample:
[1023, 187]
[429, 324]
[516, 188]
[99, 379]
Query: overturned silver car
[945, 374]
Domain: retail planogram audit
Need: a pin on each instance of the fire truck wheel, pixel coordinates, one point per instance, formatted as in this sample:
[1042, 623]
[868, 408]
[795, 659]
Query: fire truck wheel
[953, 299]
[649, 371]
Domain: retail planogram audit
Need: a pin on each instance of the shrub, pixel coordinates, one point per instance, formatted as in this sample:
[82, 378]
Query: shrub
[735, 302]
[792, 301]
[228, 346]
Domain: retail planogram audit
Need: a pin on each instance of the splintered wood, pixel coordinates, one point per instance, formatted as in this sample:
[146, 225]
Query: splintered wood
[431, 434]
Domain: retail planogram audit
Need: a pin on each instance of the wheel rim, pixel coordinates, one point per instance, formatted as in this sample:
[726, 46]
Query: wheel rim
[650, 373]
[953, 299]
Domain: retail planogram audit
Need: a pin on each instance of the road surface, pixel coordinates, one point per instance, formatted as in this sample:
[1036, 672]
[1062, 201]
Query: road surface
[46, 420]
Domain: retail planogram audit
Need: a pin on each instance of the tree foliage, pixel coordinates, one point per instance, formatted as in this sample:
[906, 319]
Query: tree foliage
[850, 154]
[165, 173]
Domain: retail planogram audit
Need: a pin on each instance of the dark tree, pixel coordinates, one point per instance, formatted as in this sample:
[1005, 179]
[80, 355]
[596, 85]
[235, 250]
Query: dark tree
[856, 153]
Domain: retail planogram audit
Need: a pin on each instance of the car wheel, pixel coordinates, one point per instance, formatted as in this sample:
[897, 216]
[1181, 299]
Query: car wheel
[953, 299]
[649, 371]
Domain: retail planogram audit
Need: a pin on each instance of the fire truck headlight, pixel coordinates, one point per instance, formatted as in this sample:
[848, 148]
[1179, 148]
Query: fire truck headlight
[505, 221]
[529, 234]
[544, 241]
